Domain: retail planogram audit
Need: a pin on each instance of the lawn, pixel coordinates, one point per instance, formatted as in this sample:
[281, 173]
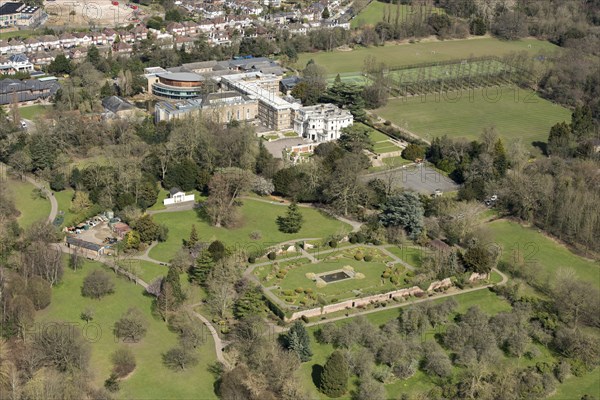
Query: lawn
[32, 207]
[257, 216]
[32, 112]
[411, 254]
[533, 246]
[295, 281]
[516, 113]
[373, 13]
[150, 380]
[396, 55]
[576, 387]
[146, 270]
[64, 199]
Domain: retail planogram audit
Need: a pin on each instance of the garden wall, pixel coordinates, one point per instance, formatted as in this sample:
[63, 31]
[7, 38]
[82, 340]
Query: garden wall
[363, 301]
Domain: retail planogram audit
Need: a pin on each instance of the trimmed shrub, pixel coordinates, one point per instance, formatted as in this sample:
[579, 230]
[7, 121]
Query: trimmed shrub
[272, 256]
[333, 244]
[305, 319]
[368, 258]
[251, 260]
[299, 290]
[358, 256]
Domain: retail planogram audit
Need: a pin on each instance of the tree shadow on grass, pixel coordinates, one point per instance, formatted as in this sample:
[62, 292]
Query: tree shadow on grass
[317, 371]
[543, 146]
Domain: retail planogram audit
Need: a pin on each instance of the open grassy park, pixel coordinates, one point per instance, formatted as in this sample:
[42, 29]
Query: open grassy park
[373, 13]
[516, 113]
[396, 55]
[31, 206]
[256, 216]
[151, 379]
[529, 245]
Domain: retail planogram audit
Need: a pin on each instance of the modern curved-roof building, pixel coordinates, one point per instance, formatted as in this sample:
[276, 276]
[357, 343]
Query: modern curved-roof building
[175, 85]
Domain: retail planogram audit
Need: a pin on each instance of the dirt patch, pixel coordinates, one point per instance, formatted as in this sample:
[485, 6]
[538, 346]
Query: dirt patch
[68, 13]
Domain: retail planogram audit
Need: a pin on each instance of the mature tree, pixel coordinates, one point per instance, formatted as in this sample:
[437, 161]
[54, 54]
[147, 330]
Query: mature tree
[179, 358]
[97, 284]
[576, 301]
[298, 341]
[21, 312]
[217, 250]
[39, 291]
[202, 267]
[413, 152]
[147, 228]
[123, 361]
[190, 332]
[559, 140]
[292, 221]
[60, 65]
[62, 346]
[436, 361]
[224, 188]
[479, 258]
[356, 138]
[344, 189]
[404, 210]
[313, 84]
[250, 302]
[171, 295]
[334, 378]
[370, 389]
[220, 285]
[413, 320]
[132, 240]
[325, 14]
[193, 239]
[132, 326]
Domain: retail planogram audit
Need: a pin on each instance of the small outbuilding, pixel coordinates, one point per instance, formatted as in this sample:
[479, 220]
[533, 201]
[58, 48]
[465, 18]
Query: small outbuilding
[91, 249]
[177, 196]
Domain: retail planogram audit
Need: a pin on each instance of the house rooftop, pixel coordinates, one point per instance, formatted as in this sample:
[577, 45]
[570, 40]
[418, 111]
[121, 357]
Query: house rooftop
[115, 104]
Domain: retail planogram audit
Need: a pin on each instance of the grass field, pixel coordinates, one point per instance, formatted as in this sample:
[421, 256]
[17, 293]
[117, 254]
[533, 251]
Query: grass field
[396, 55]
[373, 13]
[256, 216]
[576, 387]
[32, 112]
[545, 252]
[64, 204]
[146, 270]
[516, 113]
[32, 208]
[150, 379]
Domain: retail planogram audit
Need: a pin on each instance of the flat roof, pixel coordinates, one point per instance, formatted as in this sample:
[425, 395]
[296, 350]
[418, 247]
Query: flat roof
[181, 76]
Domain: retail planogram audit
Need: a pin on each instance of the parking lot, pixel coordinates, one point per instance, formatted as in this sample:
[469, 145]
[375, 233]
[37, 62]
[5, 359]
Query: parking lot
[420, 178]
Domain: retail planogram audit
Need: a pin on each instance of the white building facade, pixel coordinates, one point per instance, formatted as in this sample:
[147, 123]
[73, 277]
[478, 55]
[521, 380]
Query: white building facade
[322, 122]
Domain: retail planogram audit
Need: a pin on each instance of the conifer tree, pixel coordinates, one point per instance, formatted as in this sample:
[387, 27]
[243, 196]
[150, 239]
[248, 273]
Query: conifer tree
[292, 221]
[299, 342]
[334, 379]
[200, 270]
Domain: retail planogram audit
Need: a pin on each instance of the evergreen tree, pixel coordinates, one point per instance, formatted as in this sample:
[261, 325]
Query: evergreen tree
[405, 210]
[292, 221]
[325, 14]
[334, 379]
[193, 239]
[249, 304]
[337, 80]
[172, 279]
[217, 250]
[298, 341]
[582, 122]
[559, 140]
[500, 158]
[204, 264]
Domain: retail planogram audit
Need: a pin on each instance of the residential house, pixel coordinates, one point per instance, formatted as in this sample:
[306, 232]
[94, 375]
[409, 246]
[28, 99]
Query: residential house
[15, 63]
[322, 122]
[26, 91]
